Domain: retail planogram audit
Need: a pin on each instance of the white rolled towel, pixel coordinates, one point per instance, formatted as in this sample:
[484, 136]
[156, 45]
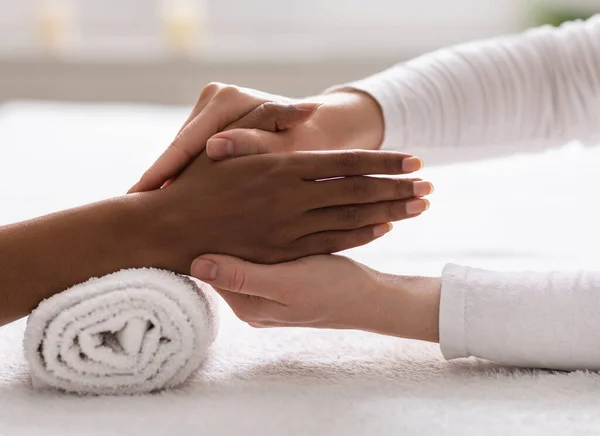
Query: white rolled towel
[131, 332]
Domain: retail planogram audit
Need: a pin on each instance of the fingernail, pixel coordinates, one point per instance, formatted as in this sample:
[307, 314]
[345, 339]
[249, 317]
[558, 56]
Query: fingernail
[219, 147]
[421, 189]
[308, 106]
[415, 207]
[412, 164]
[381, 229]
[204, 269]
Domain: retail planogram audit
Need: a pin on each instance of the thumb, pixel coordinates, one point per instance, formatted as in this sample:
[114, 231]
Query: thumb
[274, 116]
[245, 142]
[235, 275]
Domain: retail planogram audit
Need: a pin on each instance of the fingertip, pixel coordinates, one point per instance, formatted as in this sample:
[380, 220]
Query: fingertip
[381, 229]
[141, 186]
[308, 106]
[167, 183]
[145, 184]
[411, 164]
[421, 188]
[219, 148]
[417, 206]
[204, 269]
[299, 113]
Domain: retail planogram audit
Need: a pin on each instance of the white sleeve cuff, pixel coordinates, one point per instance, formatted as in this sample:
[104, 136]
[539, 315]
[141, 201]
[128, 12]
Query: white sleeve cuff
[529, 319]
[452, 312]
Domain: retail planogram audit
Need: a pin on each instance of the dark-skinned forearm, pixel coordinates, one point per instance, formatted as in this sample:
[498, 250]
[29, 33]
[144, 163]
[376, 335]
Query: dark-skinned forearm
[46, 255]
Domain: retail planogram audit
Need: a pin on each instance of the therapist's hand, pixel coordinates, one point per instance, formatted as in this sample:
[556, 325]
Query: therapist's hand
[325, 291]
[345, 120]
[336, 121]
[221, 107]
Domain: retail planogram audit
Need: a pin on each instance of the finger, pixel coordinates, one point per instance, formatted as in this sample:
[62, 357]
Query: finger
[316, 165]
[364, 189]
[249, 308]
[334, 241]
[244, 142]
[237, 275]
[357, 216]
[191, 141]
[274, 116]
[198, 107]
[244, 138]
[208, 92]
[167, 183]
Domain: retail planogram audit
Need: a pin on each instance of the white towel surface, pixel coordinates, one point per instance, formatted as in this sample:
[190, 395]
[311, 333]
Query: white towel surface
[131, 332]
[536, 211]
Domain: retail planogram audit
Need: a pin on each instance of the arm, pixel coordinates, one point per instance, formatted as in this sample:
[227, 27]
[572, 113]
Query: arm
[546, 320]
[530, 319]
[542, 85]
[46, 255]
[325, 292]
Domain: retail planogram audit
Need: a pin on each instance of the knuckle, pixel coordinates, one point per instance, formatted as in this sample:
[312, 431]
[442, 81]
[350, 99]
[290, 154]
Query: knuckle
[403, 188]
[392, 163]
[392, 211]
[237, 280]
[349, 160]
[210, 90]
[228, 92]
[351, 216]
[176, 146]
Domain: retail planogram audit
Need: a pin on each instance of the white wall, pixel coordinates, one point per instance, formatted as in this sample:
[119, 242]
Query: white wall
[271, 25]
[293, 47]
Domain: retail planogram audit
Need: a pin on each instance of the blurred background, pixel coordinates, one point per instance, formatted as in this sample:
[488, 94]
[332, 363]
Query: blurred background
[164, 51]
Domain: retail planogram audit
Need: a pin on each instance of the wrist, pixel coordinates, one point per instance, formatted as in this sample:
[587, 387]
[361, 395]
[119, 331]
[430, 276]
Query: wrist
[407, 307]
[348, 119]
[158, 240]
[141, 231]
[172, 243]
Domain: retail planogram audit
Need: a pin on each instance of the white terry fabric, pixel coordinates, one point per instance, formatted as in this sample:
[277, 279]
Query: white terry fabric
[540, 86]
[131, 332]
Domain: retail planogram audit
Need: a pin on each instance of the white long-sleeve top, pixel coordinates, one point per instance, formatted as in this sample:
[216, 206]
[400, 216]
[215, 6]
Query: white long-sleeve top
[542, 85]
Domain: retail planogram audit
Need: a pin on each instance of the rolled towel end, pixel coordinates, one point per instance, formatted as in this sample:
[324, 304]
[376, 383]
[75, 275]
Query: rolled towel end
[131, 332]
